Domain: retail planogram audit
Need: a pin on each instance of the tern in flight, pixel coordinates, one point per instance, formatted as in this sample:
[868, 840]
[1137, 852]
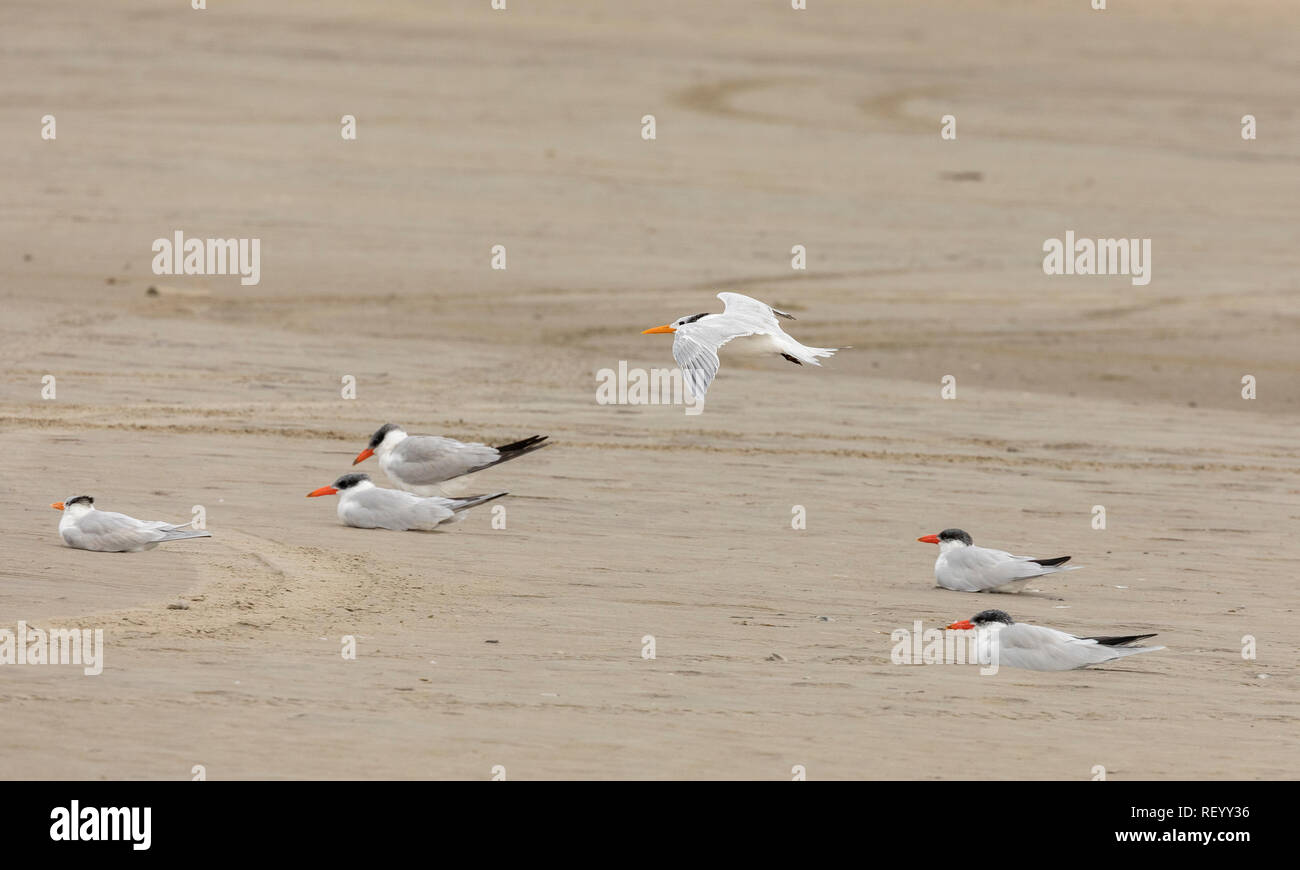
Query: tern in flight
[697, 339]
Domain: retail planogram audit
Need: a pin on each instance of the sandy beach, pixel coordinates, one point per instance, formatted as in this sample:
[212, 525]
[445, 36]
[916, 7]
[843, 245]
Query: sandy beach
[522, 647]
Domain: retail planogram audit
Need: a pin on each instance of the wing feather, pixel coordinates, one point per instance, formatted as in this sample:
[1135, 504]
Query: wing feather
[113, 532]
[426, 460]
[697, 358]
[976, 569]
[757, 317]
[1039, 648]
[393, 509]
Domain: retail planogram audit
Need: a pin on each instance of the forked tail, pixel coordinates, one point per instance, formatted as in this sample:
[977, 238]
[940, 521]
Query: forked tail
[804, 354]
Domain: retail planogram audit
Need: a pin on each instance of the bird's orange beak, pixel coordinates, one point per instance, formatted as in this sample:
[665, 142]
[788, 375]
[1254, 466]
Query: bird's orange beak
[324, 490]
[962, 625]
[363, 456]
[657, 329]
[58, 505]
[929, 539]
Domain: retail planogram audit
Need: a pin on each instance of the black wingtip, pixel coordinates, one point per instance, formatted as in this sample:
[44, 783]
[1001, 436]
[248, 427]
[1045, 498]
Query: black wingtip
[1120, 641]
[1048, 563]
[470, 501]
[526, 444]
[514, 451]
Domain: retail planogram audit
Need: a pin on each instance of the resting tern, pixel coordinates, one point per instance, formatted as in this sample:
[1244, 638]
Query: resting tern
[84, 527]
[418, 463]
[1046, 649]
[696, 339]
[964, 567]
[365, 506]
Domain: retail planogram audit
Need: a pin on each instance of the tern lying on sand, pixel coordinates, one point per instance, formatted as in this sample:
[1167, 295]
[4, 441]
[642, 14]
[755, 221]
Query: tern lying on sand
[964, 567]
[365, 506]
[418, 463]
[1045, 649]
[85, 528]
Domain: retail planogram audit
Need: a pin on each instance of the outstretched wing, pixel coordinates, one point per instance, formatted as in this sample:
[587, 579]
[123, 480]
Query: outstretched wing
[751, 314]
[696, 353]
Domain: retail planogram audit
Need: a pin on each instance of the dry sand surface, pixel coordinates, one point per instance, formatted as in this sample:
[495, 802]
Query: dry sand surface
[522, 647]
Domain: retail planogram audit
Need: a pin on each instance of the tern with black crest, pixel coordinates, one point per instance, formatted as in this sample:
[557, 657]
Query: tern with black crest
[964, 567]
[84, 527]
[363, 505]
[1038, 648]
[421, 463]
[697, 339]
